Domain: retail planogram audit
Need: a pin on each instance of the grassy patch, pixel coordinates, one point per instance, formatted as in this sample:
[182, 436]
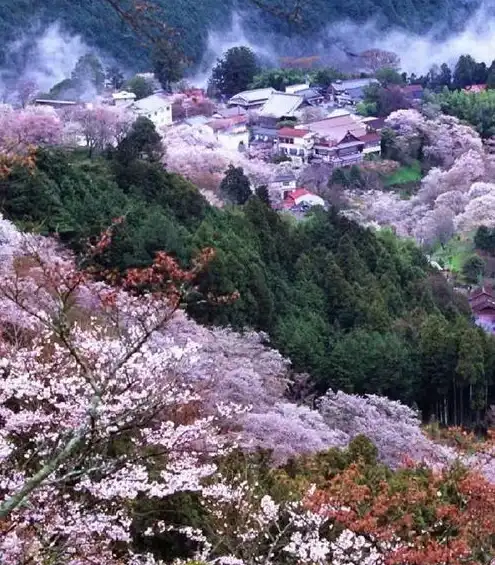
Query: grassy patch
[404, 175]
[454, 253]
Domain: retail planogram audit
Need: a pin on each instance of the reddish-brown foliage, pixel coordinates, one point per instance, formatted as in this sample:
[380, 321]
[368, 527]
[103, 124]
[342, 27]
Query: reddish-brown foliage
[431, 517]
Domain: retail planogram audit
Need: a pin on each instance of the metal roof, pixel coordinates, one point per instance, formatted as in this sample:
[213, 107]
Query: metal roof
[281, 104]
[151, 103]
[352, 84]
[250, 96]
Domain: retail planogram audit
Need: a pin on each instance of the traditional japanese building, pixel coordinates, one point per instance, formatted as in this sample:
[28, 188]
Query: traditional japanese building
[482, 302]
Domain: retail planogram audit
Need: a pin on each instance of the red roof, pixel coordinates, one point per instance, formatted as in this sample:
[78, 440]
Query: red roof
[292, 132]
[370, 137]
[479, 291]
[297, 193]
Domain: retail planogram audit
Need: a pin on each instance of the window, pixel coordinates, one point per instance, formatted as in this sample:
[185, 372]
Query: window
[285, 183]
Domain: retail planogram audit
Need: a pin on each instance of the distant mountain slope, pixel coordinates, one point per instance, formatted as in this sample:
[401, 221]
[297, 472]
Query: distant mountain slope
[101, 28]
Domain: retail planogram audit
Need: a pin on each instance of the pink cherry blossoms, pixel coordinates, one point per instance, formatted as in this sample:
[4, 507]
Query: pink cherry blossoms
[449, 198]
[93, 414]
[21, 130]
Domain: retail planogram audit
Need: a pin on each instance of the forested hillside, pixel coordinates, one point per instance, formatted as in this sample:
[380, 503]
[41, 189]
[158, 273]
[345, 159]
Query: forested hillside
[358, 310]
[100, 27]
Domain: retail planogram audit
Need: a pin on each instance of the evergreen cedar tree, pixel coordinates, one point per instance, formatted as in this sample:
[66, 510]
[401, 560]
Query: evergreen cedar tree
[234, 72]
[140, 86]
[235, 185]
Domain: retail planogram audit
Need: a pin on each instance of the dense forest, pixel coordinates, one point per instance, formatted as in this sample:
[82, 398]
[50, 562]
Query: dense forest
[100, 26]
[358, 310]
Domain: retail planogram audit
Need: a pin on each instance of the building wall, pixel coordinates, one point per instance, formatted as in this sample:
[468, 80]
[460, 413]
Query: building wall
[123, 101]
[486, 321]
[160, 117]
[233, 140]
[311, 200]
[372, 149]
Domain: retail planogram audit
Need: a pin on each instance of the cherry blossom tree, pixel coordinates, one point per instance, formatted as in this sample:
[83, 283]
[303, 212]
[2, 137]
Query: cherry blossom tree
[26, 91]
[98, 125]
[393, 427]
[21, 130]
[196, 153]
[93, 414]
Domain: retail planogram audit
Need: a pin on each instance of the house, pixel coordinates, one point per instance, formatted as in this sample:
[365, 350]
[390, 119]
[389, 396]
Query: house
[413, 92]
[296, 143]
[374, 124]
[232, 132]
[282, 106]
[482, 302]
[342, 152]
[349, 91]
[337, 124]
[312, 96]
[300, 197]
[474, 88]
[251, 99]
[157, 108]
[123, 98]
[372, 143]
[283, 183]
[295, 88]
[55, 103]
[229, 112]
[265, 134]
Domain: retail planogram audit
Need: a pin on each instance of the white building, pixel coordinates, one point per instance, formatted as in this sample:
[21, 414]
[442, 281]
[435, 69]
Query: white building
[281, 185]
[296, 143]
[157, 108]
[123, 98]
[295, 88]
[232, 133]
[302, 197]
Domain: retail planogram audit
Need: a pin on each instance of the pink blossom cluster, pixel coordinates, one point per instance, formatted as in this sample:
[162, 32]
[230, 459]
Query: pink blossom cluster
[96, 126]
[85, 399]
[195, 153]
[455, 195]
[23, 129]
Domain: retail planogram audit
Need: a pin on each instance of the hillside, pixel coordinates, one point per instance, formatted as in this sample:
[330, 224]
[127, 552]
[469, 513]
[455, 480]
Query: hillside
[359, 311]
[101, 28]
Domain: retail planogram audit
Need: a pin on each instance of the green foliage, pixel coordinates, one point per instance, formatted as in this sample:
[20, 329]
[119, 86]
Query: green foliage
[142, 142]
[115, 76]
[168, 63]
[367, 109]
[263, 194]
[278, 78]
[473, 268]
[477, 109]
[88, 72]
[235, 185]
[234, 72]
[388, 76]
[325, 76]
[140, 86]
[404, 175]
[356, 309]
[484, 239]
[467, 71]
